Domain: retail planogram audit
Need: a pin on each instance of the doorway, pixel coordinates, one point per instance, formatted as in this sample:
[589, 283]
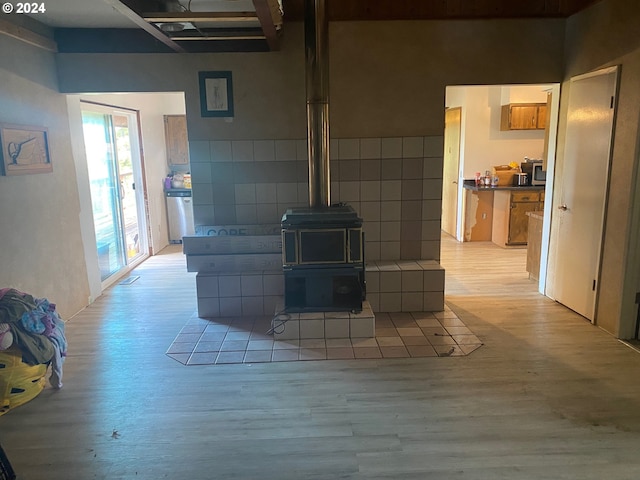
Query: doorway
[485, 143]
[112, 146]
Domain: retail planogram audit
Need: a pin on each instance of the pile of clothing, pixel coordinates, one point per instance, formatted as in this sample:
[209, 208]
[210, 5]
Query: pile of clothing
[33, 327]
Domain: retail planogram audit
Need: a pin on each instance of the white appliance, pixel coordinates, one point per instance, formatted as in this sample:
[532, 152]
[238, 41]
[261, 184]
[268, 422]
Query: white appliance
[179, 213]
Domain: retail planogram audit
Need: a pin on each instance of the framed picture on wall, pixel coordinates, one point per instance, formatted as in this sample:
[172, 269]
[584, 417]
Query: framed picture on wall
[216, 94]
[24, 150]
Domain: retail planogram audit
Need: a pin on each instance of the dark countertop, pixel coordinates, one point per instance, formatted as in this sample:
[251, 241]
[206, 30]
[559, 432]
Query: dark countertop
[471, 185]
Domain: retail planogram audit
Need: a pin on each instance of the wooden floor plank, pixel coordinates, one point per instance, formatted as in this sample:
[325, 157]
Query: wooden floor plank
[548, 396]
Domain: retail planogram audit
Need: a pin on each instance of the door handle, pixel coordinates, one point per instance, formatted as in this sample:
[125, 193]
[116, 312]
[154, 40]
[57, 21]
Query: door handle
[455, 182]
[563, 207]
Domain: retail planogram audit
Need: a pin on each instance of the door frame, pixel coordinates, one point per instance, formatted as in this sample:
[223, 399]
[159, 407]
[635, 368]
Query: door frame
[140, 179]
[458, 187]
[552, 152]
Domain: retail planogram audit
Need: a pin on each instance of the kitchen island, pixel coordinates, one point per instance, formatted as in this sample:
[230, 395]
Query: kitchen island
[499, 214]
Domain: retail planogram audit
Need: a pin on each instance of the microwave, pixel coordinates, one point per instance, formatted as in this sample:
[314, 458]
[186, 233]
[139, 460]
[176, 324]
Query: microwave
[537, 176]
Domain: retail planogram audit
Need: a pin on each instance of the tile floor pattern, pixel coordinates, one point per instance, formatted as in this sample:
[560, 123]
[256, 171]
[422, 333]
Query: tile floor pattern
[245, 340]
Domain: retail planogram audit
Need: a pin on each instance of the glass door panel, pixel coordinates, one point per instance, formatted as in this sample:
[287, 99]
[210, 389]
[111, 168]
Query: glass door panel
[106, 191]
[127, 179]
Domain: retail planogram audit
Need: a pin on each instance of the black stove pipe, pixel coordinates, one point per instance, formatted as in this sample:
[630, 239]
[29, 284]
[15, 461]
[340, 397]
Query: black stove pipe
[316, 39]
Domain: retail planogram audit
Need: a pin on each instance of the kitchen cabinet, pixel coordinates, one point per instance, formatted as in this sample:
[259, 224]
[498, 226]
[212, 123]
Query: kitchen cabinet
[541, 120]
[177, 144]
[523, 116]
[478, 215]
[510, 221]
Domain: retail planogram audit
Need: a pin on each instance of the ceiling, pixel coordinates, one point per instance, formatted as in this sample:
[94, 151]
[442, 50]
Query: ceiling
[344, 10]
[248, 25]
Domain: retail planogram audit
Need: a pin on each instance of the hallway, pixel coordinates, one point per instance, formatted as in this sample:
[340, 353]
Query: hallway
[548, 396]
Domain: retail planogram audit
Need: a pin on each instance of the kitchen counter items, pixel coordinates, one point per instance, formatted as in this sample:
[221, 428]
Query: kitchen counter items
[471, 185]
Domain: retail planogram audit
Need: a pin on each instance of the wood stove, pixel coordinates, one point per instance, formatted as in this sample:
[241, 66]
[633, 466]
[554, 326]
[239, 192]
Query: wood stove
[323, 258]
[322, 245]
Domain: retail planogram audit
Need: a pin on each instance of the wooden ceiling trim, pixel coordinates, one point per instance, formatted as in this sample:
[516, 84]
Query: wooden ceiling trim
[146, 26]
[27, 36]
[220, 34]
[159, 17]
[191, 38]
[263, 11]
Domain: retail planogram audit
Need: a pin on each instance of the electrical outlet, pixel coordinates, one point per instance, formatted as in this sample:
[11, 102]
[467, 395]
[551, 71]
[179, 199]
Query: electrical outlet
[484, 215]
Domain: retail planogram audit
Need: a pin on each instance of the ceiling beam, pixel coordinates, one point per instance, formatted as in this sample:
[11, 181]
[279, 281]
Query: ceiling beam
[27, 36]
[192, 38]
[143, 24]
[205, 33]
[263, 10]
[160, 17]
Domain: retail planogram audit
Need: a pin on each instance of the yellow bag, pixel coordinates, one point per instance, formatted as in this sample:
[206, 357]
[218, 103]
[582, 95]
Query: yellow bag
[19, 382]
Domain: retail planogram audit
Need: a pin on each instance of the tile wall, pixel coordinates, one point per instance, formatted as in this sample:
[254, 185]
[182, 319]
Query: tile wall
[405, 286]
[395, 184]
[238, 294]
[392, 286]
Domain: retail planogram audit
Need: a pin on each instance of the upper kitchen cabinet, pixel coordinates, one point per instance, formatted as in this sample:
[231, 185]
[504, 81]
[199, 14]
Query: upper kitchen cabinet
[524, 116]
[175, 134]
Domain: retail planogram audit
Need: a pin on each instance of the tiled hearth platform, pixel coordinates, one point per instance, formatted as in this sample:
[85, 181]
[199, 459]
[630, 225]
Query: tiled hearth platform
[224, 340]
[314, 325]
[392, 286]
[239, 287]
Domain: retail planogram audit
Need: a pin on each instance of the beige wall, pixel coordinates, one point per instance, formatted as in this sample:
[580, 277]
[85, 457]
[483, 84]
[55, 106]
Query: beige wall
[605, 35]
[387, 83]
[268, 88]
[484, 144]
[42, 251]
[387, 79]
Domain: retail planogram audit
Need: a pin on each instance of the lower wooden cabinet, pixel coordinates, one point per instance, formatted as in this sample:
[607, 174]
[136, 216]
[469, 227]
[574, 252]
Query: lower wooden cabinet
[534, 244]
[510, 221]
[478, 215]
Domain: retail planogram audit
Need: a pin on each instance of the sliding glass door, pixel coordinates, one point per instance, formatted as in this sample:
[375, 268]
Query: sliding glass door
[114, 165]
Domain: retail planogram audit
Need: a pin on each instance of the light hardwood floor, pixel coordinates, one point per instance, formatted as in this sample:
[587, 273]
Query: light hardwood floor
[548, 396]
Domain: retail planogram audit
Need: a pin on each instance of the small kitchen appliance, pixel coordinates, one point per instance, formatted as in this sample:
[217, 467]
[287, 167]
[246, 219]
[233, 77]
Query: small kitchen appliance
[520, 179]
[534, 169]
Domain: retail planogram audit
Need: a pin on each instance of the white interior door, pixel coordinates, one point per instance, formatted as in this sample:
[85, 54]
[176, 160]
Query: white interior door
[579, 203]
[452, 119]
